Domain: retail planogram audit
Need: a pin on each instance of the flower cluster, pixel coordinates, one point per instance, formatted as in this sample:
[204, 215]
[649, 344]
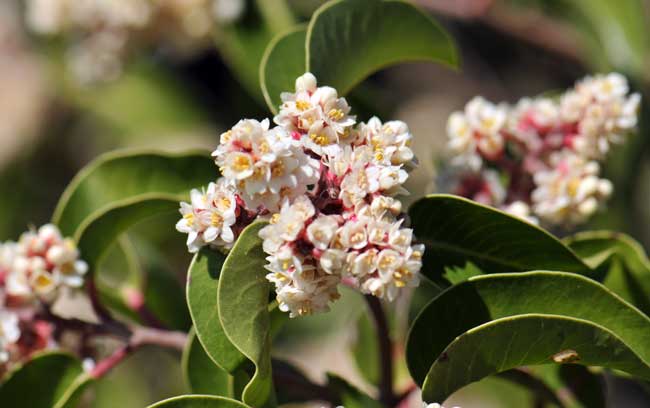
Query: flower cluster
[105, 30]
[540, 158]
[33, 270]
[328, 186]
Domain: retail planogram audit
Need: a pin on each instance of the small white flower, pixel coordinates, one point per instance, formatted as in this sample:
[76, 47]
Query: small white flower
[321, 231]
[209, 217]
[317, 114]
[570, 192]
[9, 333]
[522, 210]
[228, 11]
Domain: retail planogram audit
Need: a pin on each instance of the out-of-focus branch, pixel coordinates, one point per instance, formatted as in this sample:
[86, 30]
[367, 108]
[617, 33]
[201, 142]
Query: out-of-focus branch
[527, 25]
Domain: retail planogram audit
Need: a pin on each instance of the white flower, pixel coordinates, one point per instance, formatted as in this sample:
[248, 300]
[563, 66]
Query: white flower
[390, 141]
[434, 405]
[227, 11]
[210, 216]
[522, 210]
[9, 333]
[570, 192]
[46, 16]
[477, 131]
[266, 166]
[321, 231]
[317, 114]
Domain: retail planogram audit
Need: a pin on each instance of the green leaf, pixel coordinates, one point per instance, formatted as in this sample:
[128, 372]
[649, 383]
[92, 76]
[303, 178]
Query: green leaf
[502, 321]
[121, 188]
[282, 63]
[198, 401]
[202, 287]
[49, 380]
[456, 230]
[243, 303]
[349, 40]
[350, 396]
[118, 273]
[620, 260]
[202, 375]
[457, 274]
[365, 350]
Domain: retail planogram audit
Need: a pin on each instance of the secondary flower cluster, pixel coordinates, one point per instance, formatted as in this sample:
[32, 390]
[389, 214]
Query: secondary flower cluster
[540, 158]
[35, 269]
[327, 184]
[104, 31]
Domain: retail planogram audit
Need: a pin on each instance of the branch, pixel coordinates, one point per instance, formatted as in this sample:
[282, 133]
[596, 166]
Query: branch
[140, 336]
[386, 395]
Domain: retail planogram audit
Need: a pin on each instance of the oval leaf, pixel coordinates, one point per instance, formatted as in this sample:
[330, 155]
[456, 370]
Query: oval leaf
[620, 260]
[121, 188]
[50, 380]
[202, 375]
[202, 286]
[529, 340]
[486, 298]
[349, 40]
[456, 230]
[198, 401]
[243, 300]
[282, 63]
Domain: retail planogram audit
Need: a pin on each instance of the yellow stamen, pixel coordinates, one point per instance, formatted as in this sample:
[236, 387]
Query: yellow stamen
[302, 105]
[336, 114]
[216, 220]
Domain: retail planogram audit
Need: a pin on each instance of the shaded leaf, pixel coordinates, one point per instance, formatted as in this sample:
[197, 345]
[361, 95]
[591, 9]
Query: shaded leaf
[348, 40]
[456, 230]
[350, 396]
[510, 320]
[621, 262]
[202, 288]
[121, 188]
[49, 380]
[243, 293]
[202, 375]
[283, 62]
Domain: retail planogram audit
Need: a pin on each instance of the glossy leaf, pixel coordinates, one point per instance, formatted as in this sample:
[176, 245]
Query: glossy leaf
[531, 339]
[119, 189]
[202, 286]
[198, 401]
[202, 375]
[49, 380]
[510, 320]
[283, 62]
[456, 230]
[348, 40]
[243, 303]
[622, 263]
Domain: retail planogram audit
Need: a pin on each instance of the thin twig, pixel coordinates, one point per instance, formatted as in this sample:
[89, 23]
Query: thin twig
[140, 336]
[386, 395]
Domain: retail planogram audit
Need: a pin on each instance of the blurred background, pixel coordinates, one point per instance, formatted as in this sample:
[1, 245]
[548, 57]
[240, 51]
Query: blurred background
[72, 88]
